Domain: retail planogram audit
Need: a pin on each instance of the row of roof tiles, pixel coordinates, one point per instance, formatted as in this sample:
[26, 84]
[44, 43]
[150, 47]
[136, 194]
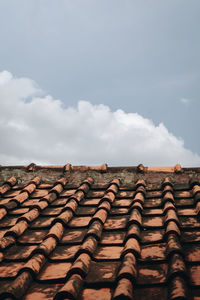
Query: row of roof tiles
[102, 168]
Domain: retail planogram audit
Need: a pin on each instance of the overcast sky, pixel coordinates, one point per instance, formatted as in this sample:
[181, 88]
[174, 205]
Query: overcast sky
[125, 75]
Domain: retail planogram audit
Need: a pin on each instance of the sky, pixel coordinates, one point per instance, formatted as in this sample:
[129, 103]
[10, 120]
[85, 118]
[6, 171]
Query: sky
[90, 81]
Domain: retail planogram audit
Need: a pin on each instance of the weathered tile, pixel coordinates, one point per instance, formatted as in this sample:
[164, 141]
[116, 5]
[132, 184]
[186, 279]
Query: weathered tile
[54, 271]
[113, 238]
[103, 271]
[63, 253]
[109, 253]
[152, 274]
[155, 252]
[118, 222]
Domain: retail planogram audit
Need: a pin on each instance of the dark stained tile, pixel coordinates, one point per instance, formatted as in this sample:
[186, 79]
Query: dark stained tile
[10, 269]
[79, 222]
[59, 202]
[32, 236]
[190, 236]
[184, 202]
[52, 211]
[18, 211]
[67, 193]
[19, 252]
[54, 271]
[152, 221]
[152, 211]
[194, 272]
[63, 253]
[109, 253]
[182, 194]
[97, 294]
[73, 236]
[152, 274]
[85, 210]
[104, 272]
[12, 193]
[39, 193]
[154, 194]
[113, 238]
[119, 211]
[118, 222]
[153, 203]
[152, 236]
[96, 194]
[41, 291]
[122, 202]
[8, 221]
[192, 252]
[42, 222]
[125, 194]
[151, 293]
[154, 252]
[186, 221]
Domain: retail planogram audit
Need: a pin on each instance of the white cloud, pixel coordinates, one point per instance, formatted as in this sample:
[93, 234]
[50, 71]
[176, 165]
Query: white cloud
[185, 100]
[39, 129]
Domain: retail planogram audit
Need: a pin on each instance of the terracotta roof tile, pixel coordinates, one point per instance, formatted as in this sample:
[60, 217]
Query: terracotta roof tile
[84, 234]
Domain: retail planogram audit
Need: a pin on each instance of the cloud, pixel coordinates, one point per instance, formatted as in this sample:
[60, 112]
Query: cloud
[35, 128]
[185, 101]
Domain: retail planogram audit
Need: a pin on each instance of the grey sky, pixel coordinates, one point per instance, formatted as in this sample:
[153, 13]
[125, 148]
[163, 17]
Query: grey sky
[140, 56]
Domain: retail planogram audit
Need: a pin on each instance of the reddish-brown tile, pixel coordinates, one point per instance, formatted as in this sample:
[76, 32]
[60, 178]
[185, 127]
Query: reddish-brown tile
[190, 236]
[152, 274]
[18, 211]
[54, 271]
[153, 252]
[192, 252]
[149, 236]
[19, 253]
[85, 210]
[79, 222]
[98, 294]
[42, 291]
[39, 193]
[125, 194]
[153, 203]
[73, 236]
[113, 238]
[104, 272]
[64, 253]
[152, 222]
[52, 211]
[194, 272]
[89, 202]
[42, 222]
[10, 269]
[118, 222]
[122, 202]
[67, 193]
[189, 222]
[109, 253]
[143, 293]
[8, 221]
[32, 236]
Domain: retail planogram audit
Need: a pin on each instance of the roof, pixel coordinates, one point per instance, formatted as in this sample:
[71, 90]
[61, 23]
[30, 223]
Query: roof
[83, 232]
